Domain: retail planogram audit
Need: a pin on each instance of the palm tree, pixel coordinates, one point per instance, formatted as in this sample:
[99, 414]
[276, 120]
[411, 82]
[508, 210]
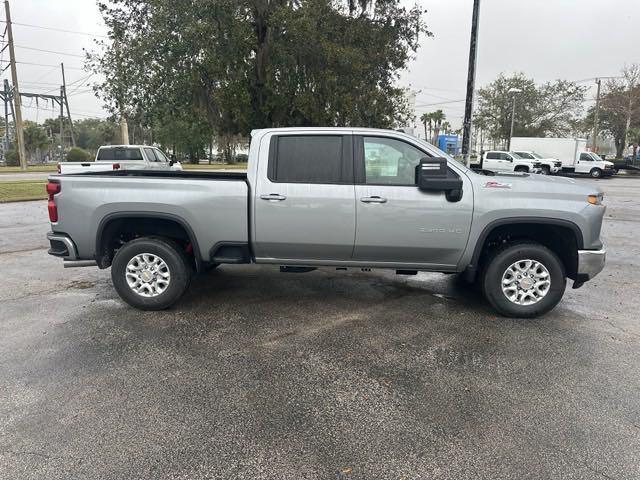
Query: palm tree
[438, 117]
[425, 118]
[446, 127]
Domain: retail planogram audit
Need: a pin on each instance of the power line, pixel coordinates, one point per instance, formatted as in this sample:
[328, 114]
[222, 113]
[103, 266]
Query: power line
[56, 29]
[47, 65]
[49, 51]
[438, 103]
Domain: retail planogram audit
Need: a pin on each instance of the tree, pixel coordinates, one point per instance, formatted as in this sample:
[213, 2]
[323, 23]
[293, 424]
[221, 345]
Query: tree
[426, 118]
[92, 133]
[76, 154]
[438, 117]
[229, 67]
[548, 109]
[619, 108]
[35, 139]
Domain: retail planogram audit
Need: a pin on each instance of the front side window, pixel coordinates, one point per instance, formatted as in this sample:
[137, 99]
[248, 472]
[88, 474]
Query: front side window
[388, 161]
[160, 155]
[504, 156]
[586, 157]
[307, 159]
[525, 155]
[150, 154]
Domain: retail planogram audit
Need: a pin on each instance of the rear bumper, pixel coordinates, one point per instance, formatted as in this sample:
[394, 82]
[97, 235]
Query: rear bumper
[590, 263]
[62, 246]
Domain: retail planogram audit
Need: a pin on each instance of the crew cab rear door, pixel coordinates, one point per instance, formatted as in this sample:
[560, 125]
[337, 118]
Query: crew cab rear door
[304, 198]
[398, 224]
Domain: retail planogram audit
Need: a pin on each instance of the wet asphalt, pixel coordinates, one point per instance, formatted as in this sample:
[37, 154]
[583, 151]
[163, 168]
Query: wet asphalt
[327, 375]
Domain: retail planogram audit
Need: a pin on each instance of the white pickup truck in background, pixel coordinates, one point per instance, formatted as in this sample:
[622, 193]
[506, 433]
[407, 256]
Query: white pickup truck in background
[122, 157]
[549, 166]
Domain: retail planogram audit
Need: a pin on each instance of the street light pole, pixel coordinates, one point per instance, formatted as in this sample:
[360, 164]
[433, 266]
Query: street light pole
[513, 91]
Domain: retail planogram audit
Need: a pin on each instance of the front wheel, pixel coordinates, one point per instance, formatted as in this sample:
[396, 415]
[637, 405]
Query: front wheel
[524, 280]
[151, 273]
[546, 170]
[596, 173]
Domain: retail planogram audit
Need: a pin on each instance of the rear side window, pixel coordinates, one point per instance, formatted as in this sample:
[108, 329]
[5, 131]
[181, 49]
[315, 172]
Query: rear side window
[310, 159]
[119, 153]
[492, 156]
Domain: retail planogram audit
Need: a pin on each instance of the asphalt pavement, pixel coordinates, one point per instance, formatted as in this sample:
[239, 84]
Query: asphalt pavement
[257, 374]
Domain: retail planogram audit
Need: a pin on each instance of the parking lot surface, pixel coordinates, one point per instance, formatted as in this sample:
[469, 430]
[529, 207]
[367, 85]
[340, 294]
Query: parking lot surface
[350, 375]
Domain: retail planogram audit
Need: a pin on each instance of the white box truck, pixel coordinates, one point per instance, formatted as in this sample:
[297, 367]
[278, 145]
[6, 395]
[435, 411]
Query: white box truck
[572, 152]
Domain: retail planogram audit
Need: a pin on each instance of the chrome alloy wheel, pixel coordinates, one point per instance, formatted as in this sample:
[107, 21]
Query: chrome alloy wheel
[526, 282]
[148, 275]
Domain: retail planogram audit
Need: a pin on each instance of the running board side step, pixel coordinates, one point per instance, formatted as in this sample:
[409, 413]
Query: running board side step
[290, 269]
[79, 263]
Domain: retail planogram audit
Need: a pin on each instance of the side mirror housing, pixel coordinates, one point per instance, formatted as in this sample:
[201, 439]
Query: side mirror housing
[433, 175]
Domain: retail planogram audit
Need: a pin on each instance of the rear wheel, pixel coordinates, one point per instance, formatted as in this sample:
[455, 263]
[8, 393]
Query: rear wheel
[151, 273]
[523, 280]
[596, 173]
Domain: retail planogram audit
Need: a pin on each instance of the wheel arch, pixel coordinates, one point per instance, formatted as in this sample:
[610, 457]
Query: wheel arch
[106, 230]
[547, 231]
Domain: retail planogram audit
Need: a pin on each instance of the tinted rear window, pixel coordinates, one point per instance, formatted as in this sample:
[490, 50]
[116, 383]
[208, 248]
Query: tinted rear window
[307, 159]
[119, 154]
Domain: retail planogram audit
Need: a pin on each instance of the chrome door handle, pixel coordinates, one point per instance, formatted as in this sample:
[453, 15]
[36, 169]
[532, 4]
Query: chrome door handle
[373, 199]
[274, 197]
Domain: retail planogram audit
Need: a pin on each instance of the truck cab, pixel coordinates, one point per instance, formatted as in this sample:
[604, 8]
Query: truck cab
[591, 163]
[503, 161]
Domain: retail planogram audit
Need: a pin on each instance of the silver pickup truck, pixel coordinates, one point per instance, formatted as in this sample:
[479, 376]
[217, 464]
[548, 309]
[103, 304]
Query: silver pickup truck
[333, 197]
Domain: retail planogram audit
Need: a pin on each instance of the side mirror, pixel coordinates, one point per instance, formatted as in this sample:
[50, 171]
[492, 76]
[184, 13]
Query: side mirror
[172, 162]
[433, 175]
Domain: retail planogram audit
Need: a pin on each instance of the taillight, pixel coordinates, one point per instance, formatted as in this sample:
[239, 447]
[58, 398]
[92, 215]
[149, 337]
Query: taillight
[53, 187]
[116, 166]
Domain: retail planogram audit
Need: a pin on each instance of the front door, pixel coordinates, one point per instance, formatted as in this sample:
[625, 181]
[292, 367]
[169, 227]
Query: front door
[396, 222]
[304, 200]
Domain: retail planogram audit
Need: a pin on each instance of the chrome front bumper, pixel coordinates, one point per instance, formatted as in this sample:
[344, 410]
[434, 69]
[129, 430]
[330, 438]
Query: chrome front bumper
[590, 263]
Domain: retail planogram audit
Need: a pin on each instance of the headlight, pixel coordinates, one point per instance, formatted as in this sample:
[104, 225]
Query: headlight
[596, 199]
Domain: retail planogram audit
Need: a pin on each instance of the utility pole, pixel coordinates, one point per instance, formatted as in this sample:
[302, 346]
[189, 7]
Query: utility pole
[124, 130]
[471, 80]
[16, 92]
[61, 125]
[6, 116]
[595, 118]
[66, 102]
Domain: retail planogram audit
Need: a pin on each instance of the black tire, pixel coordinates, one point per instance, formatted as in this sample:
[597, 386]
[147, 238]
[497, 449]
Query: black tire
[177, 263]
[595, 173]
[502, 259]
[546, 170]
[521, 169]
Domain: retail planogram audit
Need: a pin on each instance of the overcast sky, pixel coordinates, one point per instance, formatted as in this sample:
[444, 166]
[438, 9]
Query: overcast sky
[545, 39]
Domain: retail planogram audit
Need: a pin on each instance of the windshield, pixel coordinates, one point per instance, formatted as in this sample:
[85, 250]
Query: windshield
[596, 157]
[514, 155]
[525, 154]
[535, 155]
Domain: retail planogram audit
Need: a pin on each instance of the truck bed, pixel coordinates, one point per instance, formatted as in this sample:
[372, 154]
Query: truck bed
[198, 200]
